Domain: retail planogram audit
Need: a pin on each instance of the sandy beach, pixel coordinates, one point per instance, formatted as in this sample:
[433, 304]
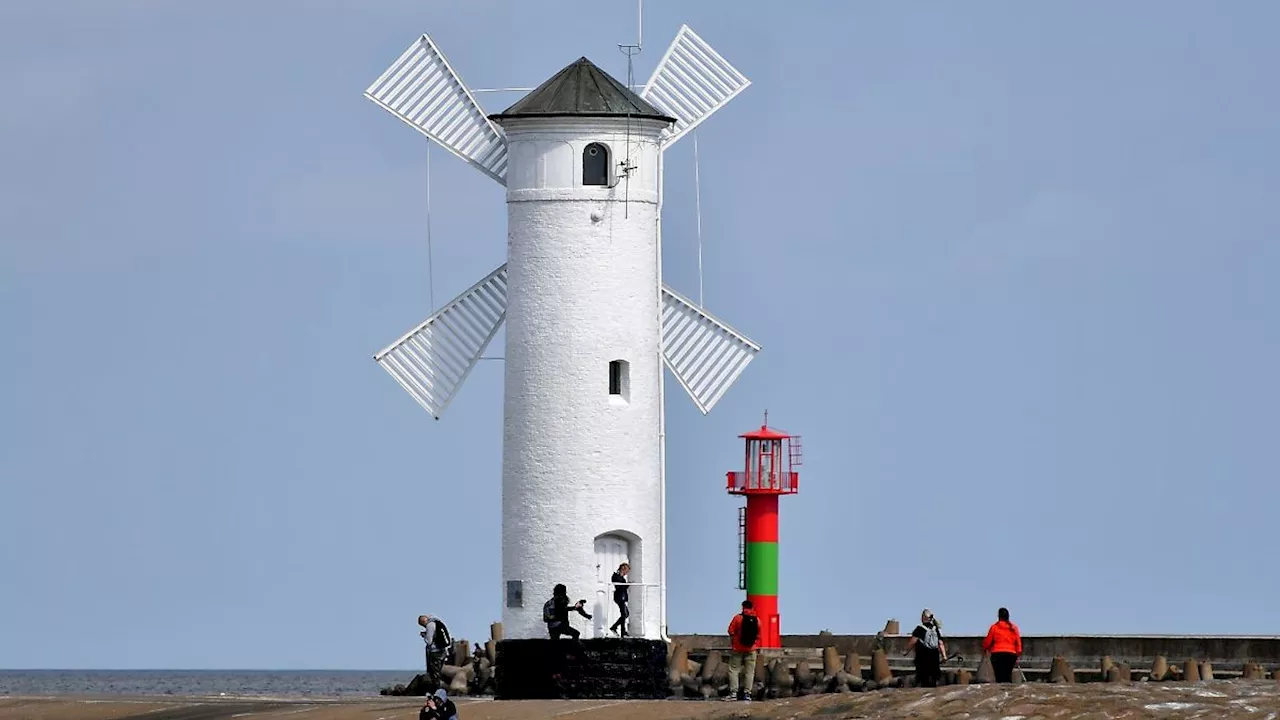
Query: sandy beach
[1219, 700]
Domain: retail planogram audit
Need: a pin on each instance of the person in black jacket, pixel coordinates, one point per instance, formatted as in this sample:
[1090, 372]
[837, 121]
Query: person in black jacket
[620, 598]
[444, 707]
[555, 613]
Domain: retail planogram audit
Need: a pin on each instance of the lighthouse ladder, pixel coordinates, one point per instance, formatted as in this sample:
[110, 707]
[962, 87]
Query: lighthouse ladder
[796, 450]
[742, 548]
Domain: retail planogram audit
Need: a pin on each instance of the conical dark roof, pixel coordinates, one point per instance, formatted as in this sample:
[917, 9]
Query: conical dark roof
[582, 90]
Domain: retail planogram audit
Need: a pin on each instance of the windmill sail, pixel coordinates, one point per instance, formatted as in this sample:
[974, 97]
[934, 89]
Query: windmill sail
[691, 82]
[422, 89]
[705, 355]
[432, 360]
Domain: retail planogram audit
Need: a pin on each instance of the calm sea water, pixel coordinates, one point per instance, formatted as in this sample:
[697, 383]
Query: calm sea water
[243, 683]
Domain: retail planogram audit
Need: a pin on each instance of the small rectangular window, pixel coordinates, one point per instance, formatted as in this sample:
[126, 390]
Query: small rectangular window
[615, 378]
[515, 593]
[619, 382]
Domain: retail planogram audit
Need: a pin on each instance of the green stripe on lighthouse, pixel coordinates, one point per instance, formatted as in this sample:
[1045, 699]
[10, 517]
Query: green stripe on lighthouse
[762, 568]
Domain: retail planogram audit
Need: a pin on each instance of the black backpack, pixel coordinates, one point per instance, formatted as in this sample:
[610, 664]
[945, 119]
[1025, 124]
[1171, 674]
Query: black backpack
[442, 638]
[749, 630]
[549, 611]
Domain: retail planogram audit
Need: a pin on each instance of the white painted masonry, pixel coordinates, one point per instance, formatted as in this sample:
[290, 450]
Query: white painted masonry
[583, 280]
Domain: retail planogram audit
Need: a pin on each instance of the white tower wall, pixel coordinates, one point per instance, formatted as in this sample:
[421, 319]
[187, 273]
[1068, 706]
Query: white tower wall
[583, 283]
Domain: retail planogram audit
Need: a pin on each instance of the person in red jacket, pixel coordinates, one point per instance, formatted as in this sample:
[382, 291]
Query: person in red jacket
[1004, 644]
[744, 637]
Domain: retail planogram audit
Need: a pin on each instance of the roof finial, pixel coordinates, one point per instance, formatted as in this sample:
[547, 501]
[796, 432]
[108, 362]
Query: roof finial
[766, 419]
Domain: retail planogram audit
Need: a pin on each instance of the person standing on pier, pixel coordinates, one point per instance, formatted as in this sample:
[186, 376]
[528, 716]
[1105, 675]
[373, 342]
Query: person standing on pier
[620, 598]
[931, 650]
[744, 637]
[1004, 643]
[436, 636]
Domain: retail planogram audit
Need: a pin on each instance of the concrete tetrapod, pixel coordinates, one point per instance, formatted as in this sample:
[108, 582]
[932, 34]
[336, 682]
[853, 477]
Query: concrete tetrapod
[880, 671]
[852, 674]
[1107, 664]
[1191, 671]
[986, 671]
[1159, 668]
[804, 678]
[1061, 672]
[781, 680]
[830, 661]
[853, 664]
[677, 667]
[1206, 670]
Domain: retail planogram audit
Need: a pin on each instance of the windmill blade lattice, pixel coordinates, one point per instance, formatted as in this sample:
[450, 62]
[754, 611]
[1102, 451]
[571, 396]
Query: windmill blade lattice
[432, 360]
[691, 82]
[705, 355]
[422, 89]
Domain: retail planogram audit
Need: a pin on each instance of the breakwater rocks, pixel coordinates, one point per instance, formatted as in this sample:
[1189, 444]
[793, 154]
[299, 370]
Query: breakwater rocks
[636, 668]
[792, 674]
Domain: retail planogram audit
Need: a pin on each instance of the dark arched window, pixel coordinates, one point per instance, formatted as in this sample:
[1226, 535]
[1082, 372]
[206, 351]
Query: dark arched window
[595, 164]
[620, 380]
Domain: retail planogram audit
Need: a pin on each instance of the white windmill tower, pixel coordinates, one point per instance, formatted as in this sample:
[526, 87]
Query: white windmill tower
[590, 324]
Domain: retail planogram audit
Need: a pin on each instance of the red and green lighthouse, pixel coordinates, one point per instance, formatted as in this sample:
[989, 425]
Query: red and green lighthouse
[768, 473]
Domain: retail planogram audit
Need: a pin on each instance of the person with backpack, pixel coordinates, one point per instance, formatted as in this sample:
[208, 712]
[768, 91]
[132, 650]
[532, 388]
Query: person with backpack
[931, 650]
[744, 638]
[1004, 643]
[555, 613]
[620, 597]
[436, 636]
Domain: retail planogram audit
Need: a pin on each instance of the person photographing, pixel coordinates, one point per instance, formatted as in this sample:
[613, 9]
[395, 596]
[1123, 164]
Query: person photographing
[436, 636]
[555, 613]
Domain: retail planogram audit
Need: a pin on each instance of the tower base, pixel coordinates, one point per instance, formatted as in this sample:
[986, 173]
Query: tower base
[622, 668]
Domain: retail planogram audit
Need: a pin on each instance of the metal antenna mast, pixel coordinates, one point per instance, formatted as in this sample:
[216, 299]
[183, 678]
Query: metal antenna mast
[631, 51]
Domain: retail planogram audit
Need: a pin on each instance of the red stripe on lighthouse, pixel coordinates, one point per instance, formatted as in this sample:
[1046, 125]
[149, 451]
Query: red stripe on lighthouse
[762, 518]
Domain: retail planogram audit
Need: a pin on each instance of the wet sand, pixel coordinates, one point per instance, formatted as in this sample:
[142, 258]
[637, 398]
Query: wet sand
[1218, 700]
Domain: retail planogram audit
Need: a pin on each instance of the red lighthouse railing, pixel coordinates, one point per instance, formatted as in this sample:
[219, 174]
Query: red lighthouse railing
[743, 483]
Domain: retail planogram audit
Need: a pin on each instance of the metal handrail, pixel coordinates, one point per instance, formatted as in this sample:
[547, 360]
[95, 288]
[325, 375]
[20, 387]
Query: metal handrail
[604, 593]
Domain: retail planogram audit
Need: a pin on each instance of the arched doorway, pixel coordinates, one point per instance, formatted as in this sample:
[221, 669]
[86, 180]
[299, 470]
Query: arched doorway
[612, 549]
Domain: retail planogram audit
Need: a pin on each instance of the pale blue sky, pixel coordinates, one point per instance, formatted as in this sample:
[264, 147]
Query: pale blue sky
[1014, 268]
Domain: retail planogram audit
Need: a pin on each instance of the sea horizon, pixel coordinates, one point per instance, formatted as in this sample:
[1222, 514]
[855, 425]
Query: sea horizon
[235, 682]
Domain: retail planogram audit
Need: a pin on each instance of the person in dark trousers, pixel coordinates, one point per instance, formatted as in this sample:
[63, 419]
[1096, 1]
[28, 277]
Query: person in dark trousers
[620, 598]
[1004, 644]
[555, 613]
[931, 650]
[744, 643]
[436, 636]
